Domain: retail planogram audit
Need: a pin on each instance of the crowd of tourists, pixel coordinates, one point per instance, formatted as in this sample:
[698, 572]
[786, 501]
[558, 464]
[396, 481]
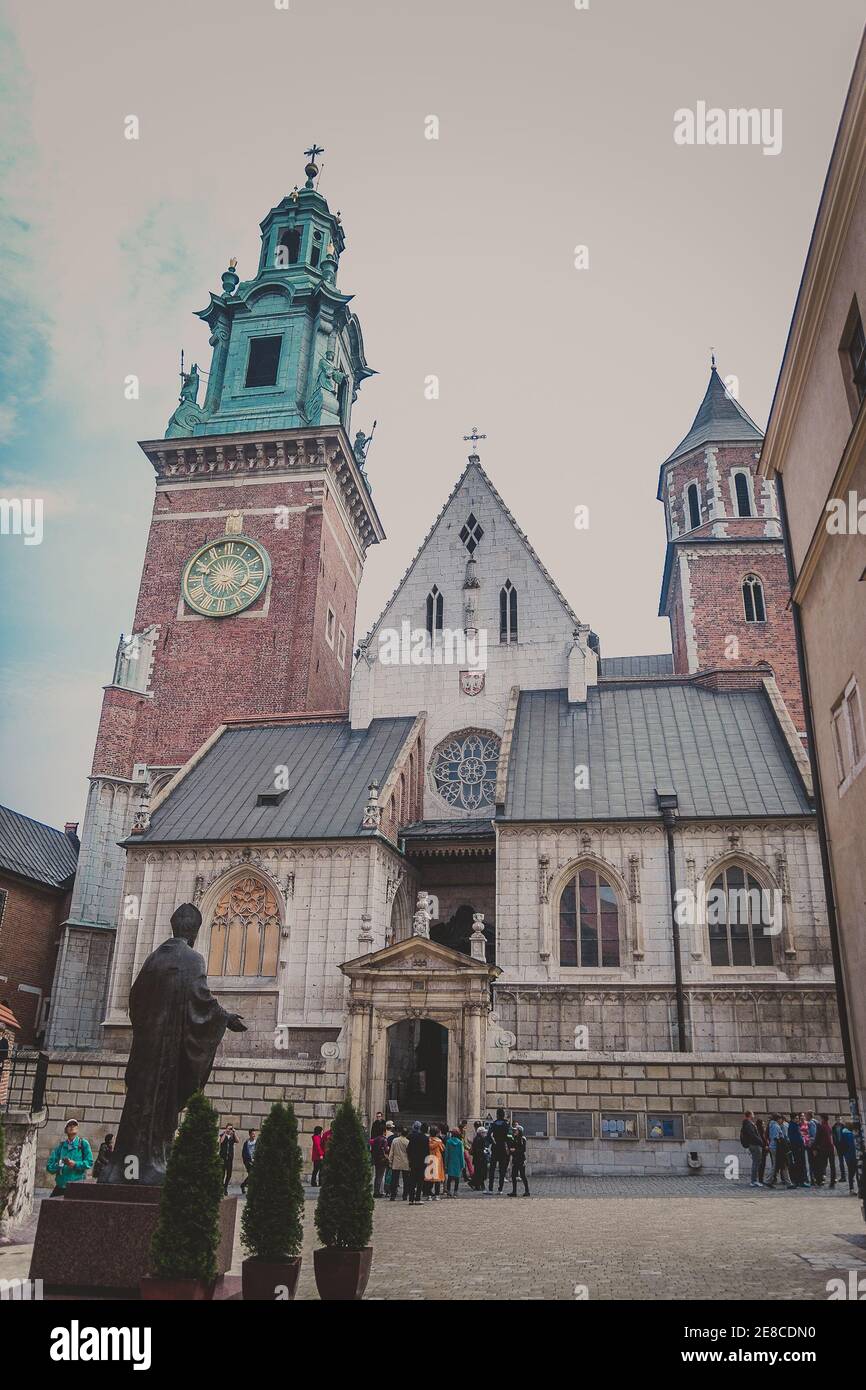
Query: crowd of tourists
[801, 1151]
[430, 1161]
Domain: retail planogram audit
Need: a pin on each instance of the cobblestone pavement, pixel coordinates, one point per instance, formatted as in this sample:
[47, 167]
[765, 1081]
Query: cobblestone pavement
[619, 1237]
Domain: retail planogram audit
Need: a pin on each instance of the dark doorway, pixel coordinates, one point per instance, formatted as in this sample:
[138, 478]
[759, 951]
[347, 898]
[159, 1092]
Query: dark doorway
[418, 1069]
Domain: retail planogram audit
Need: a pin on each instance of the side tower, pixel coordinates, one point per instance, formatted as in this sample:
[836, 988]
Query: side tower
[261, 522]
[725, 587]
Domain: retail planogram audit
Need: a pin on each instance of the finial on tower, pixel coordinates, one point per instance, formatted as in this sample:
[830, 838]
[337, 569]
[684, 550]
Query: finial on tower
[712, 359]
[474, 438]
[312, 167]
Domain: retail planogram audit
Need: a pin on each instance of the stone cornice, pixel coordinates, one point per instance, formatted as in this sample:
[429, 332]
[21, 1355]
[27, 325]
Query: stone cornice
[271, 453]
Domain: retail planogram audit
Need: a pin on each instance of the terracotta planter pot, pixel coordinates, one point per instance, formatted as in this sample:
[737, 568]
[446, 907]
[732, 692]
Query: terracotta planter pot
[266, 1281]
[341, 1275]
[154, 1290]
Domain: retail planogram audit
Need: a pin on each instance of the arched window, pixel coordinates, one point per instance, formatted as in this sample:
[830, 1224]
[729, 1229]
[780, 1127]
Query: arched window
[245, 931]
[739, 920]
[693, 499]
[434, 612]
[588, 921]
[753, 599]
[744, 501]
[508, 612]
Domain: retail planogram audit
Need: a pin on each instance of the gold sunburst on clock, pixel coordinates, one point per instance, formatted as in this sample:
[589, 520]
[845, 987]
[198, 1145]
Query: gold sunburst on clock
[225, 576]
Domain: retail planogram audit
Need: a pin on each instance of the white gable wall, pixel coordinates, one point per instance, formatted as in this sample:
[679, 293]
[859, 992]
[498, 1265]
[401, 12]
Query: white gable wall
[539, 661]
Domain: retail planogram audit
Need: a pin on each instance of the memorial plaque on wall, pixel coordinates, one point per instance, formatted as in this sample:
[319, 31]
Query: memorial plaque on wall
[574, 1124]
[665, 1127]
[534, 1122]
[620, 1124]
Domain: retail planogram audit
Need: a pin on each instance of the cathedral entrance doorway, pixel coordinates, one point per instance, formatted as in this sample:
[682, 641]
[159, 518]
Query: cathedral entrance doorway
[417, 1030]
[417, 1080]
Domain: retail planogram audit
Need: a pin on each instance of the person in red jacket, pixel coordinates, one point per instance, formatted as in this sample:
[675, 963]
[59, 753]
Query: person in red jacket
[317, 1155]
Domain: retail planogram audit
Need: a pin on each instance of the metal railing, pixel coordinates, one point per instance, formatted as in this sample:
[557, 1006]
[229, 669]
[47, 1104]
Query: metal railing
[23, 1075]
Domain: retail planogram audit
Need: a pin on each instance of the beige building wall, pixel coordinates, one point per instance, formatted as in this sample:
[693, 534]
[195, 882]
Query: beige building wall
[816, 445]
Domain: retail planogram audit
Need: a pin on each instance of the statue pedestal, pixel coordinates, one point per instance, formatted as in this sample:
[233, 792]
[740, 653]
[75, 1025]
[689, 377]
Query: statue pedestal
[95, 1239]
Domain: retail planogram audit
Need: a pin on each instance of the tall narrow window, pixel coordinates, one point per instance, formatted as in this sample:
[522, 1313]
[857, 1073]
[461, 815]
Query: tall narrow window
[263, 362]
[588, 921]
[694, 504]
[508, 612]
[753, 599]
[739, 920]
[857, 356]
[744, 501]
[434, 611]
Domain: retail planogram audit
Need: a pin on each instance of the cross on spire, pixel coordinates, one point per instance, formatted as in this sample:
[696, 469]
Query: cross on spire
[473, 438]
[313, 152]
[312, 167]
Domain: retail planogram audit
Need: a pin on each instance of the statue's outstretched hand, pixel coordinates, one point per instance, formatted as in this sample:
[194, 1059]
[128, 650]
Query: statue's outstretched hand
[235, 1023]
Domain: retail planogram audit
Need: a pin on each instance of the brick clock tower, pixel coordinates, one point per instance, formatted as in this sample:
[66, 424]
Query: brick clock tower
[261, 522]
[725, 588]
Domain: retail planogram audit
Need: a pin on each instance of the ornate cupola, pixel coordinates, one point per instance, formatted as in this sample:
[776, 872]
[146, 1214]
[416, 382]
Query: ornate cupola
[287, 349]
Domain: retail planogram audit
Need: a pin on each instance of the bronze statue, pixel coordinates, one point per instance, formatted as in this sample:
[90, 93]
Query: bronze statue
[177, 1025]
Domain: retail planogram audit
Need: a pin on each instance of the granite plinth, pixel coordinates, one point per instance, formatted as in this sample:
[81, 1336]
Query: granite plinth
[97, 1237]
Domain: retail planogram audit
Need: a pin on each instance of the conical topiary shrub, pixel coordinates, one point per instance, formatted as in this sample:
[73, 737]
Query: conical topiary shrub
[272, 1227]
[187, 1235]
[344, 1212]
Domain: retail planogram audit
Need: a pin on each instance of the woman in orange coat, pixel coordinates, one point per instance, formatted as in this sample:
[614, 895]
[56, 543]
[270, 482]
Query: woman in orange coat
[435, 1174]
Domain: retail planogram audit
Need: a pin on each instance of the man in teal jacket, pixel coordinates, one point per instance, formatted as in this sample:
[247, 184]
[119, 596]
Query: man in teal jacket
[71, 1160]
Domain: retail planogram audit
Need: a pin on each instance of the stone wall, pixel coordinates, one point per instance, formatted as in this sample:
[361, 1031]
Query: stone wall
[705, 1097]
[90, 1087]
[23, 1133]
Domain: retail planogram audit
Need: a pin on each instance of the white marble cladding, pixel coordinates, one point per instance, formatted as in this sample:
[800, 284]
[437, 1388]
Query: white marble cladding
[538, 661]
[336, 902]
[533, 862]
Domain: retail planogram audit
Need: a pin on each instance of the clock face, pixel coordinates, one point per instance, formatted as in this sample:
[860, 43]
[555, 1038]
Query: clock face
[225, 576]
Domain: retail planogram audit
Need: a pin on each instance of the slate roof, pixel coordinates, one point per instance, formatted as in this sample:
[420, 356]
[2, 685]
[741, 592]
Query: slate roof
[621, 667]
[35, 851]
[330, 766]
[722, 752]
[472, 828]
[720, 419]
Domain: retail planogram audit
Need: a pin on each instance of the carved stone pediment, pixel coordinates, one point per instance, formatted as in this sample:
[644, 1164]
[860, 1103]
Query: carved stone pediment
[417, 953]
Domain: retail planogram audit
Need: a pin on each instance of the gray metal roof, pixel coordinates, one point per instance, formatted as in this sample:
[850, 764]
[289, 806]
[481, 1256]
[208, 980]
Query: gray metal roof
[620, 667]
[723, 753]
[330, 767]
[35, 851]
[720, 420]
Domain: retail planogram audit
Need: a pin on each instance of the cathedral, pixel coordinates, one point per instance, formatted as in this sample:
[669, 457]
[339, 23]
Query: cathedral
[464, 860]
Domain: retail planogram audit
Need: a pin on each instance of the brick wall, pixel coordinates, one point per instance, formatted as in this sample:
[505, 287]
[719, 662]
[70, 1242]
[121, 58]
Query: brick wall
[29, 932]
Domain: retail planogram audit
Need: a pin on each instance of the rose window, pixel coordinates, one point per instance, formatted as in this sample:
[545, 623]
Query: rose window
[464, 770]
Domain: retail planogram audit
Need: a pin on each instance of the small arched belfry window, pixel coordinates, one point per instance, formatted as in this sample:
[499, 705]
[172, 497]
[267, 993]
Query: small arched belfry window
[753, 599]
[694, 505]
[739, 920]
[245, 931]
[588, 921]
[744, 500]
[508, 612]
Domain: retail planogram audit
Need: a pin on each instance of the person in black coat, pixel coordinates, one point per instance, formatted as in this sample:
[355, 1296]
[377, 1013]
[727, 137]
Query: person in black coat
[227, 1154]
[500, 1133]
[517, 1150]
[479, 1157]
[419, 1148]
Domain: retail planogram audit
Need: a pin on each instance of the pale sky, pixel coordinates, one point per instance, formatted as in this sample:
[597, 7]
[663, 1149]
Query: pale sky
[555, 130]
